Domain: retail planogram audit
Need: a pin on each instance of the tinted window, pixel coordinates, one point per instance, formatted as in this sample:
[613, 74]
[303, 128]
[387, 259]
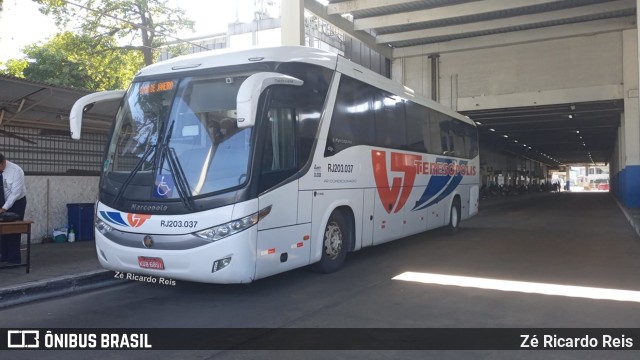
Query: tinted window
[279, 147]
[366, 115]
[457, 134]
[439, 127]
[389, 121]
[352, 122]
[418, 133]
[309, 101]
[279, 150]
[471, 140]
[291, 123]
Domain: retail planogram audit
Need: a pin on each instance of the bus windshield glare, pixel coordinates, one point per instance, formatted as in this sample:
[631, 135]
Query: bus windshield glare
[177, 138]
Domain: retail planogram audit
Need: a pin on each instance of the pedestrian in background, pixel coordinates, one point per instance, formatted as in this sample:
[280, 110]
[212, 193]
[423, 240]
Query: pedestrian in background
[13, 198]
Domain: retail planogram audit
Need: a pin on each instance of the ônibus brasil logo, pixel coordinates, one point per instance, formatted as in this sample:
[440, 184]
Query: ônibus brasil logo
[446, 175]
[133, 220]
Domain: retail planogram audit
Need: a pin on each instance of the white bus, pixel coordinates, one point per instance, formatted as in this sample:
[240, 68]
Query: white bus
[227, 167]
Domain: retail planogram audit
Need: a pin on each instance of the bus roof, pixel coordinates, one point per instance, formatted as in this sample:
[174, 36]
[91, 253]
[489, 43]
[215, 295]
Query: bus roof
[227, 57]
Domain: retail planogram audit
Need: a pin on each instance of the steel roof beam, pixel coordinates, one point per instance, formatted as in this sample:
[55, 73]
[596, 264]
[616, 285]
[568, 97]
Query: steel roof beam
[347, 26]
[445, 12]
[522, 20]
[358, 5]
[520, 37]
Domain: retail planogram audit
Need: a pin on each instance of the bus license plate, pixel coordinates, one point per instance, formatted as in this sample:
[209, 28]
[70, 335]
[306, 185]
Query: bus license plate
[150, 263]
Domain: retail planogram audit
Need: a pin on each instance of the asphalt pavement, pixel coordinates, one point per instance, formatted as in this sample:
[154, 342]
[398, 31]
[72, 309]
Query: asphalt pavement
[59, 269]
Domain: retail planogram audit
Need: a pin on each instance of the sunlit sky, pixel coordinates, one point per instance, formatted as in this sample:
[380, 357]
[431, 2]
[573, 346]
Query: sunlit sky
[22, 24]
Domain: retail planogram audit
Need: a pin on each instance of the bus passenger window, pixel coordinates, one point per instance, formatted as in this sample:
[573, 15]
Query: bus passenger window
[418, 133]
[389, 121]
[351, 123]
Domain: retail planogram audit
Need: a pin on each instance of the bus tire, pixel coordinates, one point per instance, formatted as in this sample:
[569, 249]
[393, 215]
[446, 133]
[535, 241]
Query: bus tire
[454, 216]
[335, 244]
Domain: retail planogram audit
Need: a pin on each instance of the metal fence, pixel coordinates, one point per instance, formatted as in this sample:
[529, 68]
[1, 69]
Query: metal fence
[52, 152]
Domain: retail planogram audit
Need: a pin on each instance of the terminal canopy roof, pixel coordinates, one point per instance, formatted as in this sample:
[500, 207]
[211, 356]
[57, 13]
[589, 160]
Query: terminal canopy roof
[31, 104]
[405, 28]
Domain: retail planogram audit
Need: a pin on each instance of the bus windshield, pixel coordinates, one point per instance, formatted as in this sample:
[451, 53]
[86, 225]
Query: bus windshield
[176, 139]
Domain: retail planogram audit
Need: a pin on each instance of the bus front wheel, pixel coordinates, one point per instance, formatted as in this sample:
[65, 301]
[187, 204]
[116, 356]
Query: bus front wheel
[335, 244]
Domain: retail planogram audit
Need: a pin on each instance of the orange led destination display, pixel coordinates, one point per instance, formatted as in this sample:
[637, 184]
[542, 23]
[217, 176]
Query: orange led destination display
[155, 87]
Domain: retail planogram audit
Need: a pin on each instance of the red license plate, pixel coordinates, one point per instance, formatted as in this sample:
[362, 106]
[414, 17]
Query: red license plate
[150, 263]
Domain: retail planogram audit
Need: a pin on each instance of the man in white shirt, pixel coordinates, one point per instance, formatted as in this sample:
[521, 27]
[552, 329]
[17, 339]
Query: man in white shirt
[13, 198]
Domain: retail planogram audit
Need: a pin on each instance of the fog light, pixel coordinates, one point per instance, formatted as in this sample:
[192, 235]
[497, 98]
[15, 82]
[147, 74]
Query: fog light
[220, 264]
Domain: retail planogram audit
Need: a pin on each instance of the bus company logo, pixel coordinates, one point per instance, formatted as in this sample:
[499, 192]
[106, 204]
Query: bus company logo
[394, 196]
[132, 220]
[136, 220]
[446, 175]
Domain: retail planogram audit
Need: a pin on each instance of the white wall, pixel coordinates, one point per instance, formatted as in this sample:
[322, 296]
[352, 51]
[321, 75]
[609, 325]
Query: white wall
[573, 69]
[559, 64]
[48, 205]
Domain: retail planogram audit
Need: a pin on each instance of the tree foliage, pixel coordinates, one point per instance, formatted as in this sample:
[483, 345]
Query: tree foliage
[143, 24]
[14, 67]
[79, 61]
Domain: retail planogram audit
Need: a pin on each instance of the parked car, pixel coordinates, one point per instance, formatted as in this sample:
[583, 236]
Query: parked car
[601, 184]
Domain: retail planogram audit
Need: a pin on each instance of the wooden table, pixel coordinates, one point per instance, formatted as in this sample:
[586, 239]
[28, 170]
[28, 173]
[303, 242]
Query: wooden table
[18, 227]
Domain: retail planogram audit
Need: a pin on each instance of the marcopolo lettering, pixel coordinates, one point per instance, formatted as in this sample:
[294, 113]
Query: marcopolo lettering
[148, 208]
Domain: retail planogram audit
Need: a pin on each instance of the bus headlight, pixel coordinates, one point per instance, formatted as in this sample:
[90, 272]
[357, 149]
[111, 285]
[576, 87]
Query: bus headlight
[102, 226]
[233, 227]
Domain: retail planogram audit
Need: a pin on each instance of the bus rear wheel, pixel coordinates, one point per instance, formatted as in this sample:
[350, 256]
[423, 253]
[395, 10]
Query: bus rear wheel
[454, 216]
[335, 244]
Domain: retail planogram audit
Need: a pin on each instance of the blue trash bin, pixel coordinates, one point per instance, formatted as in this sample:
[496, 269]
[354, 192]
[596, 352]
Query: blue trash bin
[80, 217]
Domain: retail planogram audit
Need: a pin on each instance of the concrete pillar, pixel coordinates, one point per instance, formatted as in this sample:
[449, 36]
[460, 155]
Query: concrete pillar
[397, 70]
[292, 21]
[627, 180]
[435, 77]
[586, 174]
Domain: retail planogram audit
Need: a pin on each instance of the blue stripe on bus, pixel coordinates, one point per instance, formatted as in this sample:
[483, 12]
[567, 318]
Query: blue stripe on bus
[436, 184]
[114, 217]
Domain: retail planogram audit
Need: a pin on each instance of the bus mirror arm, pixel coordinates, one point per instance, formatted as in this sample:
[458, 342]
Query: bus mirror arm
[250, 91]
[86, 102]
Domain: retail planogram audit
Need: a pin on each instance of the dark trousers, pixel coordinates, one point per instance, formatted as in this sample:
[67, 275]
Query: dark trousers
[10, 244]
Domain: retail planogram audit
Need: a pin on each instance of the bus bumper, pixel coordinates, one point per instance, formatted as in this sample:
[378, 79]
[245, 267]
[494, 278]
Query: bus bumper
[196, 264]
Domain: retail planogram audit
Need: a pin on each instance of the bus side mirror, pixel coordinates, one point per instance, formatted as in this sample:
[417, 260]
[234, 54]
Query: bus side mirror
[85, 103]
[249, 94]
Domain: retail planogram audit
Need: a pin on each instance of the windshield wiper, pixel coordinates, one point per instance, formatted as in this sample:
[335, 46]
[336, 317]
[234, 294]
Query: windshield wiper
[133, 173]
[181, 180]
[182, 185]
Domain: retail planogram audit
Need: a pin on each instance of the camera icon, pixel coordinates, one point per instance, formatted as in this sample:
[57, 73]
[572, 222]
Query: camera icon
[21, 339]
